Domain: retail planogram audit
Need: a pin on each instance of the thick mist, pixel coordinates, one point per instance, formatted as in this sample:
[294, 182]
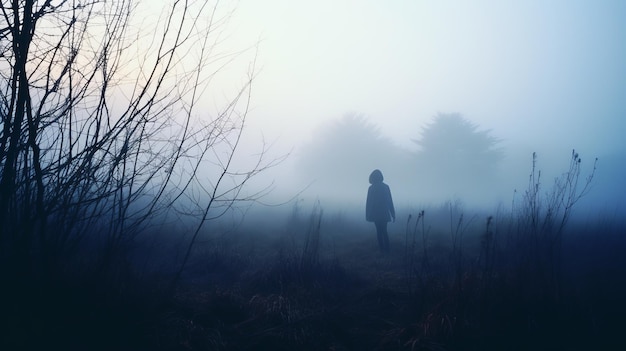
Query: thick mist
[538, 78]
[452, 160]
[199, 175]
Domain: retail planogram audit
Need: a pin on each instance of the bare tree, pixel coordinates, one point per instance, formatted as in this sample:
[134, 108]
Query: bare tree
[102, 128]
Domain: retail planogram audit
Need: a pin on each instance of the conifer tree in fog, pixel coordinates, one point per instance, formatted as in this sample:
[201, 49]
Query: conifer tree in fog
[454, 153]
[342, 154]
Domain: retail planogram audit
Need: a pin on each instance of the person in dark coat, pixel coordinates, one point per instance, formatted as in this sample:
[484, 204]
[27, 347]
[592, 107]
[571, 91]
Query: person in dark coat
[379, 208]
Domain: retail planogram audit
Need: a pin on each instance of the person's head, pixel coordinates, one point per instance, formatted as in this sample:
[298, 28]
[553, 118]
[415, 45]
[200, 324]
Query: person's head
[376, 176]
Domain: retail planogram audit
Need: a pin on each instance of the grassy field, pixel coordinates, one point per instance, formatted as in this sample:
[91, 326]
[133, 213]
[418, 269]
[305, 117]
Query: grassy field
[316, 281]
[444, 286]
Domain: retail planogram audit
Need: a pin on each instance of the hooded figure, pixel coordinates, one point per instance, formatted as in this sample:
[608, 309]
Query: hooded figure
[379, 208]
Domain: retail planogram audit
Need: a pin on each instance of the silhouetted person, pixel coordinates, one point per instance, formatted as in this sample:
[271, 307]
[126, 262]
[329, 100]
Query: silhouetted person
[379, 208]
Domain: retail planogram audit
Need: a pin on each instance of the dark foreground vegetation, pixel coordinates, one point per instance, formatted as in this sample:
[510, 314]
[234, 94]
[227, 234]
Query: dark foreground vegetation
[115, 178]
[537, 276]
[451, 282]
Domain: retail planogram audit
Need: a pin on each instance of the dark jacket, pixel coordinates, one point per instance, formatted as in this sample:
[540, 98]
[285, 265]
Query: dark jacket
[379, 205]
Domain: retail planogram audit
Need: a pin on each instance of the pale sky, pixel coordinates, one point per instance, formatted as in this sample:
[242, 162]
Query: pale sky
[544, 76]
[534, 72]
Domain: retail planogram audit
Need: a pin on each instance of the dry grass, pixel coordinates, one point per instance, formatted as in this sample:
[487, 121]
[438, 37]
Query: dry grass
[352, 297]
[323, 285]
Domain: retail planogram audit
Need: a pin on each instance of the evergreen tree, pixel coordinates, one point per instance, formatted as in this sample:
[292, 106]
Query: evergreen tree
[456, 155]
